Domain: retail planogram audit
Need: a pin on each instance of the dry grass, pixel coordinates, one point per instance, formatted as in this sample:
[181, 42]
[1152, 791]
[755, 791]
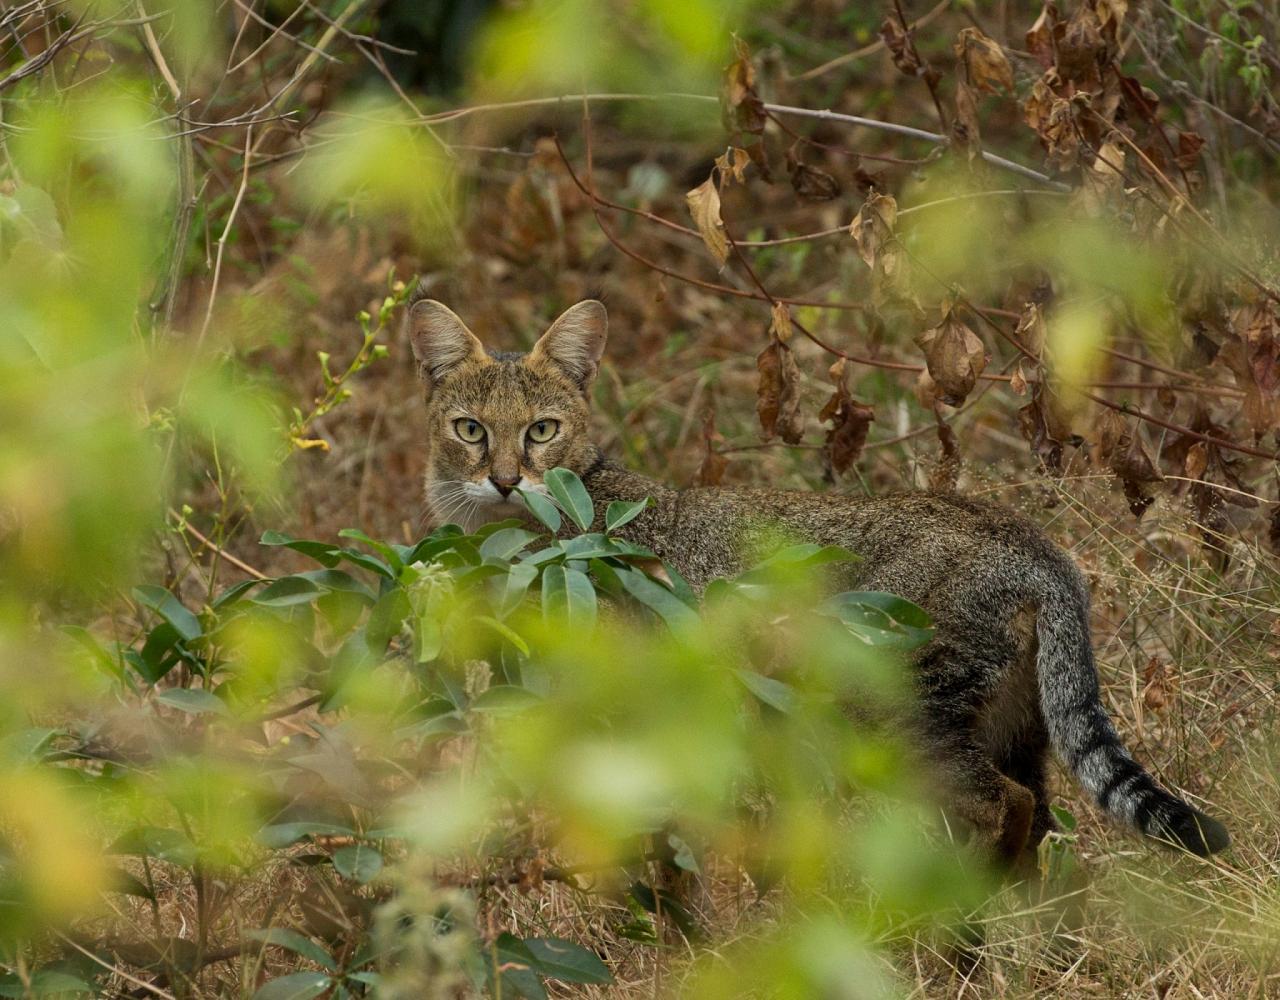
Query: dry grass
[1188, 655]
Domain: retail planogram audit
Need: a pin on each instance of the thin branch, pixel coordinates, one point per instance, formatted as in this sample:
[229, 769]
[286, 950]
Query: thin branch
[215, 548]
[226, 233]
[870, 49]
[781, 109]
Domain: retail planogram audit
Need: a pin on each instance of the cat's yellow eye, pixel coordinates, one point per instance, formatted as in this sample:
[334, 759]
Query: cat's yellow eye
[471, 431]
[543, 431]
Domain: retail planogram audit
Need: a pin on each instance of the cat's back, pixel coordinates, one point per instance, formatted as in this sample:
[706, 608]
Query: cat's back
[907, 542]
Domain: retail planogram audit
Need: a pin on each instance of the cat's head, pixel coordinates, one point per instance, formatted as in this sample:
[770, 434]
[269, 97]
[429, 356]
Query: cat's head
[498, 421]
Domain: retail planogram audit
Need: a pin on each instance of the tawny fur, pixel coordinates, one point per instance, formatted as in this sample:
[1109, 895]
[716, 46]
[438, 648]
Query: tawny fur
[1010, 670]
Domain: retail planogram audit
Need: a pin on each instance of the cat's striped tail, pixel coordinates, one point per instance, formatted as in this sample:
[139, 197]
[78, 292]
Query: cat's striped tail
[1085, 738]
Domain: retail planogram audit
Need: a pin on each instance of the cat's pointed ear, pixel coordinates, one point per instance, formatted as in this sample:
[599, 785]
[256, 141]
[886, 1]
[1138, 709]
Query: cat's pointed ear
[441, 341]
[575, 342]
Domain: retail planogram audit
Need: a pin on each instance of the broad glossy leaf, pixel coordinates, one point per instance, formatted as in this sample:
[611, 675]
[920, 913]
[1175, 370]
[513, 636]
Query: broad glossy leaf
[193, 700]
[508, 633]
[541, 508]
[516, 585]
[773, 693]
[390, 553]
[44, 983]
[280, 835]
[294, 942]
[286, 591]
[880, 619]
[567, 593]
[358, 862]
[505, 543]
[571, 495]
[296, 986]
[620, 512]
[156, 842]
[658, 599]
[569, 962]
[170, 609]
[386, 619]
[517, 969]
[322, 552]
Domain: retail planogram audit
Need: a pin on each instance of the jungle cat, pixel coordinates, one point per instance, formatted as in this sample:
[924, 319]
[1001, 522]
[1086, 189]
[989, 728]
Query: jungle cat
[1010, 670]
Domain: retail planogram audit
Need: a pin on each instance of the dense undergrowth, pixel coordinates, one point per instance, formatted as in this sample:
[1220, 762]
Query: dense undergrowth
[404, 760]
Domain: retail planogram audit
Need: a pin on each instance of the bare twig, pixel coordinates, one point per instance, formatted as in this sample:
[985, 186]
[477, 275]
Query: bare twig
[217, 549]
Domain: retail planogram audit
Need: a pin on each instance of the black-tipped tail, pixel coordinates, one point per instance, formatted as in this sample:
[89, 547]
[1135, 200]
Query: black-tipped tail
[1084, 736]
[1191, 830]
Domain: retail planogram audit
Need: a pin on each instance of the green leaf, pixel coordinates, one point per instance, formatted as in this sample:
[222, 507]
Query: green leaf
[297, 986]
[1064, 817]
[193, 700]
[592, 546]
[129, 884]
[505, 699]
[517, 969]
[519, 578]
[508, 633]
[567, 593]
[280, 835]
[880, 619]
[505, 543]
[808, 555]
[541, 508]
[658, 599]
[296, 943]
[156, 842]
[571, 495]
[89, 642]
[382, 548]
[336, 581]
[44, 983]
[170, 609]
[620, 512]
[773, 693]
[386, 618]
[233, 594]
[286, 591]
[358, 862]
[322, 552]
[566, 961]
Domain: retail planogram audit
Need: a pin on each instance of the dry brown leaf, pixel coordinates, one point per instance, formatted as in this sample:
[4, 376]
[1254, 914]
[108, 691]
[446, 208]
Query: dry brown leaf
[1081, 48]
[780, 322]
[926, 391]
[872, 227]
[986, 66]
[778, 393]
[900, 48]
[711, 471]
[1189, 146]
[1040, 38]
[1197, 460]
[809, 182]
[1031, 330]
[733, 163]
[1254, 359]
[1038, 107]
[743, 109]
[847, 437]
[965, 129]
[1018, 381]
[704, 206]
[1042, 425]
[955, 357]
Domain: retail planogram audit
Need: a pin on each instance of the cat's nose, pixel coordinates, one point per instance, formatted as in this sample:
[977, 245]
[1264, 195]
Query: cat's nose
[504, 484]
